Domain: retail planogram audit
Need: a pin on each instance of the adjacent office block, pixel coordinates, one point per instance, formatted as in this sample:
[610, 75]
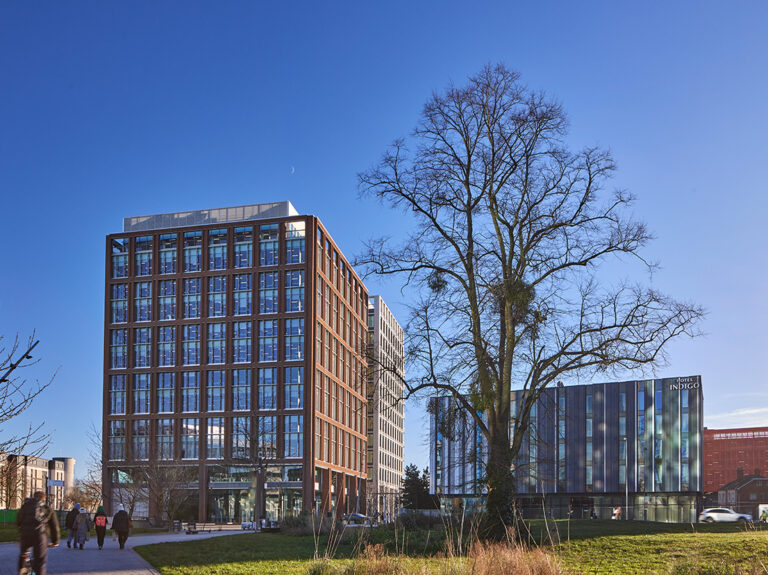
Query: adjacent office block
[385, 415]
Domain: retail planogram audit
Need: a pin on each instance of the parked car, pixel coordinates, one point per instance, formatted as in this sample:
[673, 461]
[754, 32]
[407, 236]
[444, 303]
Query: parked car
[724, 515]
[352, 519]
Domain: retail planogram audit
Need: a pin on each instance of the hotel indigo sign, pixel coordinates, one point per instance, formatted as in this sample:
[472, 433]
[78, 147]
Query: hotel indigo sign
[684, 383]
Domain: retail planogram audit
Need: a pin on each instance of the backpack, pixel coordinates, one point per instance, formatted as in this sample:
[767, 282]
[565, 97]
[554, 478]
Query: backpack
[32, 517]
[101, 521]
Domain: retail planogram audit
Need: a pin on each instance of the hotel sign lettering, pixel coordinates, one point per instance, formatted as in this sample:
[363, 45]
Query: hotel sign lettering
[684, 383]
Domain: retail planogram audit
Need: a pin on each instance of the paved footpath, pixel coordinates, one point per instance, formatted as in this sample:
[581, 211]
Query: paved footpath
[92, 561]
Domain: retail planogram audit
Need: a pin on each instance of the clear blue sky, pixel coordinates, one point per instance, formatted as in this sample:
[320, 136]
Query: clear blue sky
[113, 109]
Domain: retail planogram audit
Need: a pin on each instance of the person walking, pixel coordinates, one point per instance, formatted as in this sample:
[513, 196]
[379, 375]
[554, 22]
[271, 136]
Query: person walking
[38, 529]
[101, 523]
[121, 524]
[82, 526]
[70, 523]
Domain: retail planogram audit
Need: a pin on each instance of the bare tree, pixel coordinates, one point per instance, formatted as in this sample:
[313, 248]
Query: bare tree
[168, 488]
[17, 393]
[509, 261]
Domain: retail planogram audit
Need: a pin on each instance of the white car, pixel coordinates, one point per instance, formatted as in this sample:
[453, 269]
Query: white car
[724, 515]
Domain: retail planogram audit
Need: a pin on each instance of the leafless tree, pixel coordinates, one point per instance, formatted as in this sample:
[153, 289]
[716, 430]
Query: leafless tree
[17, 393]
[84, 494]
[168, 488]
[513, 261]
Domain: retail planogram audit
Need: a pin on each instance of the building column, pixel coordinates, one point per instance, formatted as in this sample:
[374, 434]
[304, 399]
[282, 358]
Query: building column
[325, 488]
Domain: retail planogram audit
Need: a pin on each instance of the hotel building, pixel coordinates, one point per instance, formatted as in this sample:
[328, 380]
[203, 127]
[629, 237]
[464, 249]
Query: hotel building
[386, 348]
[588, 449]
[235, 347]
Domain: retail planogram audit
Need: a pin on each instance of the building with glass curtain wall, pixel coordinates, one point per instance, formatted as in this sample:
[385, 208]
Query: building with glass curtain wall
[235, 347]
[588, 449]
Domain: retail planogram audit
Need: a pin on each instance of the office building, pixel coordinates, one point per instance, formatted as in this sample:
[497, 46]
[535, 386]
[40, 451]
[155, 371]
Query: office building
[235, 349]
[728, 450]
[386, 374]
[588, 449]
[22, 475]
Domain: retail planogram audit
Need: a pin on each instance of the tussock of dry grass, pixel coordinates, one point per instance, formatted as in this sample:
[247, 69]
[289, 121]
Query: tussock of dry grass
[506, 559]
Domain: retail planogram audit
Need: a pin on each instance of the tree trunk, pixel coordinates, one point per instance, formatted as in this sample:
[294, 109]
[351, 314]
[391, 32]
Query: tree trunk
[500, 481]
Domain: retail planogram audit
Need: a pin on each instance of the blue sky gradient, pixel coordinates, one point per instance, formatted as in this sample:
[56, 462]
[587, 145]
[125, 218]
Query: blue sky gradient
[114, 109]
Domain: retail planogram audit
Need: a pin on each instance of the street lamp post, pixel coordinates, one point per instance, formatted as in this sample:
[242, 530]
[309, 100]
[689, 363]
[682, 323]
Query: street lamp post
[626, 478]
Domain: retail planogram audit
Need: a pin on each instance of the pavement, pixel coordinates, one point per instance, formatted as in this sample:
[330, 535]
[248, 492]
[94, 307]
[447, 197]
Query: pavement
[91, 560]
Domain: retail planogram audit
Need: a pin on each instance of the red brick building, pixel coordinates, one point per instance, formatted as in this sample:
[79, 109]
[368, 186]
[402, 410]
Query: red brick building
[728, 450]
[235, 349]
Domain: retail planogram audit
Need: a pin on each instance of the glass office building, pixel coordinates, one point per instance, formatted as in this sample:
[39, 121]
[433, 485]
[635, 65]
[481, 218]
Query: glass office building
[588, 450]
[235, 348]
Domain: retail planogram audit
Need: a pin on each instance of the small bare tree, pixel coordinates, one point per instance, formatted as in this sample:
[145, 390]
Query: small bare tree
[508, 262]
[17, 394]
[168, 488]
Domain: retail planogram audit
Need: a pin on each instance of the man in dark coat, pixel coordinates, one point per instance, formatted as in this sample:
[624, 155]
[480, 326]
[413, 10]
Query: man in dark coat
[36, 524]
[70, 523]
[121, 523]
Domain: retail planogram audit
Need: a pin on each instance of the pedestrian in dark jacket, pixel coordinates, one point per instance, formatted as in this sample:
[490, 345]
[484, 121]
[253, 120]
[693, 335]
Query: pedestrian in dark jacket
[121, 524]
[82, 526]
[70, 523]
[37, 523]
[101, 523]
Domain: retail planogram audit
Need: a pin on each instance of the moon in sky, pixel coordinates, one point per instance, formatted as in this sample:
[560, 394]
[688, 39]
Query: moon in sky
[293, 170]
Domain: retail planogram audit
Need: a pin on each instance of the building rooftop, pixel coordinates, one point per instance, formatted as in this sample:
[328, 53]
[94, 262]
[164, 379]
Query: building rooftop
[211, 216]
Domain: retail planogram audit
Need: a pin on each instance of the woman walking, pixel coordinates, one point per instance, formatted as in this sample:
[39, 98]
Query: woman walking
[82, 526]
[121, 524]
[101, 523]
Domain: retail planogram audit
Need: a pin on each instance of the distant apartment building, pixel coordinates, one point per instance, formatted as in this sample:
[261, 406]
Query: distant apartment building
[23, 475]
[386, 372]
[235, 348]
[588, 449]
[726, 451]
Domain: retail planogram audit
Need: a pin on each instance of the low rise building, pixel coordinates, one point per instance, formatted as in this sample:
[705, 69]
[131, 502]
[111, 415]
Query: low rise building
[728, 450]
[745, 494]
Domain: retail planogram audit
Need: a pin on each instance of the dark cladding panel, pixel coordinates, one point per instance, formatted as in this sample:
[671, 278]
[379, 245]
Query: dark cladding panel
[547, 446]
[611, 438]
[598, 438]
[575, 433]
[671, 447]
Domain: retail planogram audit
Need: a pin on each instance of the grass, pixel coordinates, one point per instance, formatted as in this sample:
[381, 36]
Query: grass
[594, 547]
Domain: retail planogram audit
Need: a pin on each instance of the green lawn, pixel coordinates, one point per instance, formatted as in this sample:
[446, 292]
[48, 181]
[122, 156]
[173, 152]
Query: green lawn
[594, 547]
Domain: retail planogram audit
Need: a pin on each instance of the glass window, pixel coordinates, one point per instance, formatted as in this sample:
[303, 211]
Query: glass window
[144, 256]
[589, 404]
[294, 339]
[215, 436]
[216, 343]
[268, 340]
[268, 244]
[166, 346]
[167, 299]
[215, 390]
[192, 298]
[267, 436]
[168, 253]
[623, 401]
[141, 393]
[165, 439]
[684, 422]
[118, 348]
[165, 392]
[294, 387]
[294, 243]
[191, 344]
[190, 438]
[622, 425]
[267, 388]
[142, 347]
[243, 247]
[117, 440]
[294, 431]
[268, 292]
[193, 242]
[190, 391]
[294, 290]
[641, 400]
[241, 341]
[117, 395]
[241, 438]
[241, 390]
[120, 257]
[140, 439]
[119, 303]
[143, 301]
[684, 399]
[217, 250]
[242, 294]
[217, 296]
